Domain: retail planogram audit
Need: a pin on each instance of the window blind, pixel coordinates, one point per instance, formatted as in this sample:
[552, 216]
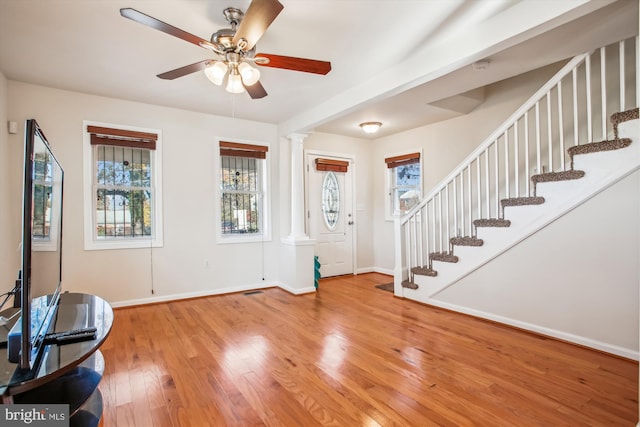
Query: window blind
[122, 138]
[331, 165]
[405, 159]
[243, 150]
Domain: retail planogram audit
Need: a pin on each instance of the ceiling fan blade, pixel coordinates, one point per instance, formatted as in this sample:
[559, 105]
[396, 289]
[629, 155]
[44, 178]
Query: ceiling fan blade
[152, 22]
[183, 71]
[256, 90]
[257, 19]
[295, 64]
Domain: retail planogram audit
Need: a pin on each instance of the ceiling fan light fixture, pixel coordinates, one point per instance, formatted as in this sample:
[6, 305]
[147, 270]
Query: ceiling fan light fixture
[216, 72]
[250, 75]
[234, 83]
[370, 127]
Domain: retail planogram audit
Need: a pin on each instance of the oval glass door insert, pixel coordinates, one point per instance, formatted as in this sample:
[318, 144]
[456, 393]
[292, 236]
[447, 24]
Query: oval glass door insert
[330, 200]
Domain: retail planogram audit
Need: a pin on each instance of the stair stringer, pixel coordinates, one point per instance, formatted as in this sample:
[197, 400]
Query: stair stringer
[603, 169]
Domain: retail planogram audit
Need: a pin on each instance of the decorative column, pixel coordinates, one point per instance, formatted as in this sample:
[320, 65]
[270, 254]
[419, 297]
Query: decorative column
[297, 187]
[297, 251]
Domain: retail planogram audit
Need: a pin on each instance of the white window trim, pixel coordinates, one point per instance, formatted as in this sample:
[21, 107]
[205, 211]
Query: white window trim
[90, 240]
[265, 232]
[388, 202]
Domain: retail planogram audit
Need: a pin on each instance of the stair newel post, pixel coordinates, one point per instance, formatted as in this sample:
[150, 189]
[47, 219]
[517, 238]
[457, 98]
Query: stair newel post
[397, 271]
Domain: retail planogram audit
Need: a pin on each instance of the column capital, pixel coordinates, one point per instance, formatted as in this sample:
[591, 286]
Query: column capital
[297, 137]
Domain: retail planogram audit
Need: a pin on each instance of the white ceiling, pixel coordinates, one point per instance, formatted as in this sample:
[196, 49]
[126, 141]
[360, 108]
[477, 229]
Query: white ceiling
[390, 58]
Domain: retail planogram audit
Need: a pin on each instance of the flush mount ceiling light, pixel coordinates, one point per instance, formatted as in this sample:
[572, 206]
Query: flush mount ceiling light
[370, 127]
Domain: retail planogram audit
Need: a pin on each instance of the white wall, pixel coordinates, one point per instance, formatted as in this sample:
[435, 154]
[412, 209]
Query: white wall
[9, 213]
[180, 267]
[579, 275]
[444, 145]
[360, 149]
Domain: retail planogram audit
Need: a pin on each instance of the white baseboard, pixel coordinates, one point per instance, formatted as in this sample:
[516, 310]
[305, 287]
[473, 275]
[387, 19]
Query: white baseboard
[375, 270]
[222, 291]
[564, 336]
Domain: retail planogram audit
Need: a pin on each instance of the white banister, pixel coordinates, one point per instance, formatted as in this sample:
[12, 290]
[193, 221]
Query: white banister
[621, 54]
[479, 187]
[469, 195]
[527, 170]
[549, 132]
[576, 137]
[452, 206]
[561, 125]
[538, 160]
[447, 217]
[497, 176]
[440, 216]
[487, 183]
[506, 164]
[603, 92]
[516, 155]
[588, 88]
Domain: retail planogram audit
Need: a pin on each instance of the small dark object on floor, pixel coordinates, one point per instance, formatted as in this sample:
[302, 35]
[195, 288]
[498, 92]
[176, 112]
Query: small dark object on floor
[386, 287]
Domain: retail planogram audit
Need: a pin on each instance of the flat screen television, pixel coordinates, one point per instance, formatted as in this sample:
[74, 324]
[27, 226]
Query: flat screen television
[41, 273]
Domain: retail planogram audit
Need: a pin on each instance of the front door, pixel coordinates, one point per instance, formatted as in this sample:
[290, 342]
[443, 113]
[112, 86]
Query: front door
[330, 220]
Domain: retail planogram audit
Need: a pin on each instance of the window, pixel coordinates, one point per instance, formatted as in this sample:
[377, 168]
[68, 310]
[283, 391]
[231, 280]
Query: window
[243, 191]
[404, 182]
[122, 188]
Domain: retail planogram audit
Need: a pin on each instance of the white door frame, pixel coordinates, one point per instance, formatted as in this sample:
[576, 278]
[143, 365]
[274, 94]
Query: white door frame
[352, 170]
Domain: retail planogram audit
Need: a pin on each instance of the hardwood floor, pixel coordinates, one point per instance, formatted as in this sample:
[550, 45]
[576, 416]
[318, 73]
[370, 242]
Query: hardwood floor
[349, 355]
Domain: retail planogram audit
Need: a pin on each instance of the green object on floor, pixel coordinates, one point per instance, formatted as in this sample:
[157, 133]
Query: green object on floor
[316, 271]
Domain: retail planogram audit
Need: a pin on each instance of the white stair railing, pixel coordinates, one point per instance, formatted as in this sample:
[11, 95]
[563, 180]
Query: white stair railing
[573, 107]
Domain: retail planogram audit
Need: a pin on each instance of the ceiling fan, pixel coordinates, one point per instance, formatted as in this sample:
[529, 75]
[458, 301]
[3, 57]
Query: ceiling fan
[235, 48]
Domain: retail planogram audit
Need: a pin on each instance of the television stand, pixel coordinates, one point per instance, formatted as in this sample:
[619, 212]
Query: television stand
[69, 373]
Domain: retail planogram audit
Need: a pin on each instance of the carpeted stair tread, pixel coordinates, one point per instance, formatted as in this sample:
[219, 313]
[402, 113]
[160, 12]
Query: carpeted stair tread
[443, 256]
[555, 176]
[466, 241]
[424, 271]
[521, 201]
[594, 147]
[492, 222]
[623, 116]
[409, 285]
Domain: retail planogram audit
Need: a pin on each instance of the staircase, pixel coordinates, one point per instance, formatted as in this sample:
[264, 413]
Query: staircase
[573, 138]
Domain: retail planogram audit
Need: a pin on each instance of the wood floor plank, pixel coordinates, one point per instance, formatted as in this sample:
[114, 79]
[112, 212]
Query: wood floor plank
[349, 355]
